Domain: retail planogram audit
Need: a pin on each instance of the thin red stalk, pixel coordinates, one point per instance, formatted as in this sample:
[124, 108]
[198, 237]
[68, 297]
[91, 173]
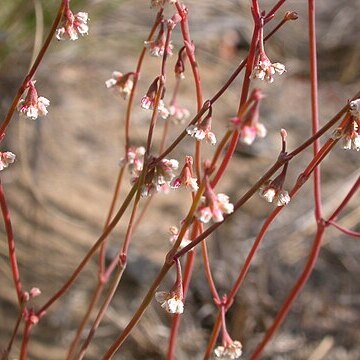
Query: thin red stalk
[102, 311]
[79, 331]
[11, 245]
[108, 219]
[177, 317]
[14, 333]
[140, 311]
[33, 69]
[294, 292]
[25, 341]
[314, 105]
[208, 273]
[347, 198]
[273, 11]
[90, 253]
[195, 69]
[344, 230]
[136, 78]
[213, 337]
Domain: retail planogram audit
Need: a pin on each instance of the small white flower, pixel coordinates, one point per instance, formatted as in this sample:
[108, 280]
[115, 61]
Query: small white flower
[232, 351]
[121, 82]
[6, 158]
[283, 198]
[33, 106]
[355, 108]
[265, 70]
[200, 134]
[170, 302]
[224, 204]
[178, 114]
[73, 25]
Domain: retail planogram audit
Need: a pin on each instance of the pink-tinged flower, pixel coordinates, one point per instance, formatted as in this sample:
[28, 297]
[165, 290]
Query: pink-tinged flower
[248, 124]
[355, 108]
[6, 158]
[174, 231]
[351, 137]
[178, 114]
[157, 4]
[123, 83]
[272, 191]
[186, 178]
[73, 25]
[170, 302]
[203, 131]
[213, 206]
[265, 70]
[159, 178]
[157, 47]
[33, 105]
[148, 101]
[231, 351]
[134, 160]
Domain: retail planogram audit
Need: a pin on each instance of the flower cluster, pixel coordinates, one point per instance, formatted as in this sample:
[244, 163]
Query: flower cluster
[350, 135]
[123, 83]
[202, 130]
[271, 190]
[247, 124]
[134, 160]
[169, 301]
[148, 101]
[157, 47]
[33, 105]
[172, 301]
[213, 206]
[159, 177]
[6, 158]
[230, 351]
[265, 70]
[73, 25]
[186, 179]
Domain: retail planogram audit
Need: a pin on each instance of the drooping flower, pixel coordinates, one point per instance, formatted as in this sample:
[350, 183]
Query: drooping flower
[248, 123]
[172, 301]
[33, 105]
[213, 206]
[202, 130]
[272, 190]
[157, 47]
[230, 351]
[186, 179]
[148, 100]
[134, 161]
[159, 177]
[6, 158]
[123, 83]
[73, 25]
[355, 108]
[264, 69]
[351, 136]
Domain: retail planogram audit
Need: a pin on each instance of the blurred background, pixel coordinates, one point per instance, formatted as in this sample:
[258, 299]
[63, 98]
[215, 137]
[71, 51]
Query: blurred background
[60, 187]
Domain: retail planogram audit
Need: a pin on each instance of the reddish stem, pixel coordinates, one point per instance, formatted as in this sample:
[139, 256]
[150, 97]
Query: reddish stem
[344, 230]
[314, 105]
[11, 245]
[33, 69]
[294, 292]
[25, 341]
